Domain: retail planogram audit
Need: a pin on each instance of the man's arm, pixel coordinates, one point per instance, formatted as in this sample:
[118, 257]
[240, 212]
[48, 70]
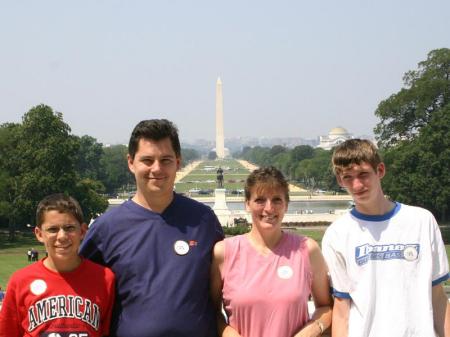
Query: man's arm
[441, 311]
[341, 310]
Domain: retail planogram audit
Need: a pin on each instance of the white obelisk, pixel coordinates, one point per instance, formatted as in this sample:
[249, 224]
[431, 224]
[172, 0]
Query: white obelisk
[220, 144]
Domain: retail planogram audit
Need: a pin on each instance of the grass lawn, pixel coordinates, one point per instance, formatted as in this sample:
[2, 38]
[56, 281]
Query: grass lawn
[13, 256]
[234, 176]
[315, 234]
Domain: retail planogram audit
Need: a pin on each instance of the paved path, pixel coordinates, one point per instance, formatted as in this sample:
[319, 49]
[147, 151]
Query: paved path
[251, 167]
[186, 170]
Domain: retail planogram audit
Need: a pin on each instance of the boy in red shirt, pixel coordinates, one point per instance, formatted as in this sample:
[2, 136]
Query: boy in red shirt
[62, 294]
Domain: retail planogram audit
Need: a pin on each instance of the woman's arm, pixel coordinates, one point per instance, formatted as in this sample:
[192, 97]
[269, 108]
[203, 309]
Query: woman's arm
[320, 289]
[216, 285]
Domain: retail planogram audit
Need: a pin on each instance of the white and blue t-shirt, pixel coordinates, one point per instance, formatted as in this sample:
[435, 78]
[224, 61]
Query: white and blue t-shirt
[386, 265]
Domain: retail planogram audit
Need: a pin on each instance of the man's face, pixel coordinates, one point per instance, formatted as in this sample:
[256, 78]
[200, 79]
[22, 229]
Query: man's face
[154, 166]
[362, 182]
[61, 234]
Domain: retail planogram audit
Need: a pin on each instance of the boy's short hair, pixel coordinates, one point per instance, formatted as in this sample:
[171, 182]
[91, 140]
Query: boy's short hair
[266, 178]
[154, 129]
[355, 151]
[61, 203]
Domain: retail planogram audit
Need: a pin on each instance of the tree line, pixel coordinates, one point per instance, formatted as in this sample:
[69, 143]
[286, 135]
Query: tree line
[40, 156]
[308, 166]
[413, 136]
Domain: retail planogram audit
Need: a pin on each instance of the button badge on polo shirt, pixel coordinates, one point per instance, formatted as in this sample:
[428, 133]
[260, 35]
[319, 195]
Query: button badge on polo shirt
[285, 272]
[181, 247]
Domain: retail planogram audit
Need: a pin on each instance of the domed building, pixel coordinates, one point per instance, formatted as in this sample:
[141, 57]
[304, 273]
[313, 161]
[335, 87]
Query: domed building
[335, 137]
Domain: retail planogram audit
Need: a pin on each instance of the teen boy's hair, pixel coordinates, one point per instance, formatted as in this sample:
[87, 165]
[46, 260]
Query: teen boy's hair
[154, 129]
[267, 178]
[61, 203]
[355, 151]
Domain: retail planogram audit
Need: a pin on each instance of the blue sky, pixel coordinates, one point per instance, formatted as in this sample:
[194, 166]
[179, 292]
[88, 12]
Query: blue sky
[289, 68]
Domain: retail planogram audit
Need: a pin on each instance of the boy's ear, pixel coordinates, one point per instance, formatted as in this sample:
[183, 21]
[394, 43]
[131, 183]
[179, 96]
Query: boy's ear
[84, 228]
[38, 234]
[381, 170]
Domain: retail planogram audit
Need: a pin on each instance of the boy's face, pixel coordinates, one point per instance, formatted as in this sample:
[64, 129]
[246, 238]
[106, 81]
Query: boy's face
[61, 234]
[362, 182]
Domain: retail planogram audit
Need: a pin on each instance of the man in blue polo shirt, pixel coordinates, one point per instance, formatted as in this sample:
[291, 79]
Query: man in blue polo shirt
[158, 244]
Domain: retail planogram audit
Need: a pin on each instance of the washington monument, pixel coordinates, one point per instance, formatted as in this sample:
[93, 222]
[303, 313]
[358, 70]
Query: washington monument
[220, 146]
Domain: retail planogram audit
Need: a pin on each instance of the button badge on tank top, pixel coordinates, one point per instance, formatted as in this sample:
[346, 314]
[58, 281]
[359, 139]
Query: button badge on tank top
[285, 272]
[410, 253]
[181, 247]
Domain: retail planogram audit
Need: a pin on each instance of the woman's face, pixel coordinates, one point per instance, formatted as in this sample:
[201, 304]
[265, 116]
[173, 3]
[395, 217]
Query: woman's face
[267, 207]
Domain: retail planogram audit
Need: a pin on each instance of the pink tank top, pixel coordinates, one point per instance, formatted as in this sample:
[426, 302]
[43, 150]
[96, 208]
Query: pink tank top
[266, 295]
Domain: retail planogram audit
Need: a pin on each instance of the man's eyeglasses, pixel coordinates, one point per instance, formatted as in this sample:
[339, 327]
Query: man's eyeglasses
[68, 229]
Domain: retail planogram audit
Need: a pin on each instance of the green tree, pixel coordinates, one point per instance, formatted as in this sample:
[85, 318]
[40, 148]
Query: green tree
[426, 91]
[88, 162]
[46, 153]
[258, 155]
[302, 152]
[9, 136]
[38, 158]
[414, 134]
[87, 193]
[116, 173]
[315, 172]
[418, 170]
[212, 155]
[189, 155]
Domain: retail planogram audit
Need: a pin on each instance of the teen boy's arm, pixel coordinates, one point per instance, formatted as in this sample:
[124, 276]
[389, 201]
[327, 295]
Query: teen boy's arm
[341, 309]
[441, 311]
[337, 267]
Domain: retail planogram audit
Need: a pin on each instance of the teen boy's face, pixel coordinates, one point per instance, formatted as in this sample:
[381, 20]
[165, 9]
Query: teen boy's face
[61, 234]
[362, 182]
[154, 166]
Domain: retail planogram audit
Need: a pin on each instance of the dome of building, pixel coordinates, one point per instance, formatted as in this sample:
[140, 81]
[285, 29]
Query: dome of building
[338, 131]
[336, 136]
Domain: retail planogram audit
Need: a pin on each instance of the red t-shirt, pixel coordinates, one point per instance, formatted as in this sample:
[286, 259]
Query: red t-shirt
[40, 302]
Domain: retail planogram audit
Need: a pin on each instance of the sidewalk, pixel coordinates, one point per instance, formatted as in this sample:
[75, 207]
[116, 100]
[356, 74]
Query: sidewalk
[186, 170]
[251, 167]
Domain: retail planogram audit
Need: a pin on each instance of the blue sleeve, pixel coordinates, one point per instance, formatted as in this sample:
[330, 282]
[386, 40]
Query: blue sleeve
[91, 247]
[341, 294]
[440, 280]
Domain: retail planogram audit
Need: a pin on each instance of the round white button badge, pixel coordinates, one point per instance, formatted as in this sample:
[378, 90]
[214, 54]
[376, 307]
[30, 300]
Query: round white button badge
[38, 287]
[285, 272]
[181, 247]
[410, 253]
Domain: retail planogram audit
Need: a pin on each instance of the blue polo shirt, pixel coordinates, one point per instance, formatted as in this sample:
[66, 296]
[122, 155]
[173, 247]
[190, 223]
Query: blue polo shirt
[162, 265]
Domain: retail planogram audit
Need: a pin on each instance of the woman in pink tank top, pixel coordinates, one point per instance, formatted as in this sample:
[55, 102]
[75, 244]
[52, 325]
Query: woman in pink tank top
[263, 279]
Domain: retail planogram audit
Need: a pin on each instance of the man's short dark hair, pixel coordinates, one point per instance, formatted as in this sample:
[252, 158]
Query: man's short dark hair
[154, 129]
[61, 203]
